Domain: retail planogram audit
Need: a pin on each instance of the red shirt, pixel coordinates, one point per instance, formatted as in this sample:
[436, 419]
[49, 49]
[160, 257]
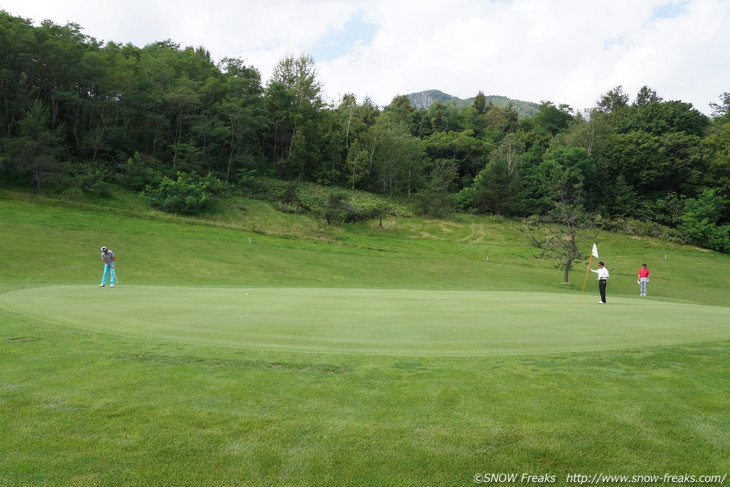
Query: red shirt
[644, 272]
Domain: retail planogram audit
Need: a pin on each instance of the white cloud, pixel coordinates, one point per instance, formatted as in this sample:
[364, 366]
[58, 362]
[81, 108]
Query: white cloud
[564, 51]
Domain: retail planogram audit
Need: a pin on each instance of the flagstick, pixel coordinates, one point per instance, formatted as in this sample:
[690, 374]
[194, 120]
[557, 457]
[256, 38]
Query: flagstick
[586, 278]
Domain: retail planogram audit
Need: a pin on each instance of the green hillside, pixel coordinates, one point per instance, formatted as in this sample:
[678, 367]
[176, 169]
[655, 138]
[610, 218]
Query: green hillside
[260, 348]
[251, 243]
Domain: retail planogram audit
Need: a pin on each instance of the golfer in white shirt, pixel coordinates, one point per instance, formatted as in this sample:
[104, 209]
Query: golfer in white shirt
[602, 277]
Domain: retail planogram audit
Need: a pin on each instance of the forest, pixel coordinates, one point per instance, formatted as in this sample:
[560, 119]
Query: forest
[79, 115]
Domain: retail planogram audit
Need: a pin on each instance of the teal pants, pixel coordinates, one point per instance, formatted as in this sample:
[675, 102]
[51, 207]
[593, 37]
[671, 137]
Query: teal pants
[108, 269]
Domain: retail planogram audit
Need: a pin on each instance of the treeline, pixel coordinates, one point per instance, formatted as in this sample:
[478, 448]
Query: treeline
[81, 114]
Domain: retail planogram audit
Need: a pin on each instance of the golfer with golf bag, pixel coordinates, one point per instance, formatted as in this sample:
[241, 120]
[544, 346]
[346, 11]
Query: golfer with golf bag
[110, 261]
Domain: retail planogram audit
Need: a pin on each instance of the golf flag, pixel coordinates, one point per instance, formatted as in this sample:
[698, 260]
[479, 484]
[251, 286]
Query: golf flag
[594, 253]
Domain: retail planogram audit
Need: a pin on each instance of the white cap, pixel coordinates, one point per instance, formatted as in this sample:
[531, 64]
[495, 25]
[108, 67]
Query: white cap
[103, 249]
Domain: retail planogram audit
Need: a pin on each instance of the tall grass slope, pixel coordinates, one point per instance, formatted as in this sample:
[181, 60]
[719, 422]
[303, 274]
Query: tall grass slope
[45, 240]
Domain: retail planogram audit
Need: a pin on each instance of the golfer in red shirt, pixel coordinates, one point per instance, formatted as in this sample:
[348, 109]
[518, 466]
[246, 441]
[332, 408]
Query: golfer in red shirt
[643, 279]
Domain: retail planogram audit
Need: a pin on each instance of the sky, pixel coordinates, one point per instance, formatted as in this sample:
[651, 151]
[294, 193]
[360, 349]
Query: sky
[562, 51]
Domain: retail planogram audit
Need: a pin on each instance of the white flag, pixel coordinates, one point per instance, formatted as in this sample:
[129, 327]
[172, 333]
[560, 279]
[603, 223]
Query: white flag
[594, 252]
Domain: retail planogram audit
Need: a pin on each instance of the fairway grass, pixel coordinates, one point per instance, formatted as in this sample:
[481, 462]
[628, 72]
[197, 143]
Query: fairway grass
[372, 321]
[274, 350]
[83, 408]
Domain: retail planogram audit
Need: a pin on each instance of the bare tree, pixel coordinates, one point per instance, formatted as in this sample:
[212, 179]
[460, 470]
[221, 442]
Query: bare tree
[569, 219]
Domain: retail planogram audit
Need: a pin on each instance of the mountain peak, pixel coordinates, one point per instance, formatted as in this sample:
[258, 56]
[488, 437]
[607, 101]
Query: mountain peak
[425, 99]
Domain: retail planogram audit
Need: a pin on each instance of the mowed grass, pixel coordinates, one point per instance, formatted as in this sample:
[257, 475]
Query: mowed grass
[422, 353]
[371, 321]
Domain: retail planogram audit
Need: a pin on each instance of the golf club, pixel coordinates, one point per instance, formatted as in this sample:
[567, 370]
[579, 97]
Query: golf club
[114, 273]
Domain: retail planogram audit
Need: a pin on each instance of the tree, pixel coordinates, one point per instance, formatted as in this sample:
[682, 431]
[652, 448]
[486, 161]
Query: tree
[358, 160]
[700, 222]
[472, 120]
[480, 103]
[182, 100]
[620, 199]
[17, 59]
[501, 121]
[636, 156]
[565, 185]
[716, 149]
[336, 209]
[444, 117]
[646, 96]
[346, 126]
[243, 114]
[397, 156]
[33, 153]
[553, 119]
[401, 110]
[295, 102]
[510, 150]
[349, 122]
[613, 101]
[660, 118]
[721, 111]
[435, 199]
[463, 148]
[588, 130]
[495, 189]
[650, 163]
[498, 187]
[577, 172]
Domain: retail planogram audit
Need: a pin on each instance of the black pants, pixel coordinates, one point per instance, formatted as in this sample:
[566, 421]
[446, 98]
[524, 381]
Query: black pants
[602, 289]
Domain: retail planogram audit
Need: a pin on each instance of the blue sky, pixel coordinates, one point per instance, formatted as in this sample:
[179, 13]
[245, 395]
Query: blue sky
[670, 10]
[563, 51]
[342, 40]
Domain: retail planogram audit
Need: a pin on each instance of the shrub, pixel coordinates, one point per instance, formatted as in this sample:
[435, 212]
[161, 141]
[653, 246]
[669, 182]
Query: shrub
[138, 173]
[630, 226]
[189, 194]
[289, 208]
[86, 178]
[700, 222]
[251, 185]
[337, 209]
[72, 193]
[302, 197]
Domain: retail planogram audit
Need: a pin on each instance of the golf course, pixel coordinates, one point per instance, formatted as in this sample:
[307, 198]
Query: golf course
[254, 347]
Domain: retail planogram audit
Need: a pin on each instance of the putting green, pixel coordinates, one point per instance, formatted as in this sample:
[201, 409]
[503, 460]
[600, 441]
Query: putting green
[377, 322]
